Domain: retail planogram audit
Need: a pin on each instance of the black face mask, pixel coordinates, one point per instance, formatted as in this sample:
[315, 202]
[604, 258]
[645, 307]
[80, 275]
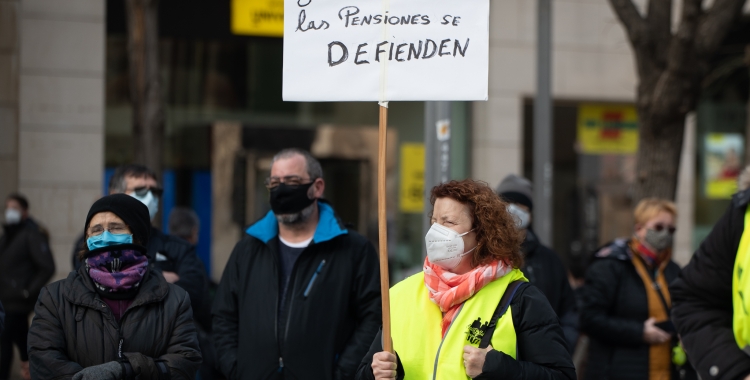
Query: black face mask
[290, 199]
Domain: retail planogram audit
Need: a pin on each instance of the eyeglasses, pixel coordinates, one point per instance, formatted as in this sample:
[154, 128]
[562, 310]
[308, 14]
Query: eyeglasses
[290, 180]
[113, 228]
[660, 227]
[143, 190]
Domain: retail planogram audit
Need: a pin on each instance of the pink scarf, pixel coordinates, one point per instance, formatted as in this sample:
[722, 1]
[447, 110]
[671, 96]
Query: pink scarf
[449, 290]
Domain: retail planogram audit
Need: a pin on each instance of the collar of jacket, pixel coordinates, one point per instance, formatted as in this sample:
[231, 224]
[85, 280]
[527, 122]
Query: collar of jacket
[328, 226]
[618, 249]
[12, 229]
[741, 198]
[80, 289]
[530, 243]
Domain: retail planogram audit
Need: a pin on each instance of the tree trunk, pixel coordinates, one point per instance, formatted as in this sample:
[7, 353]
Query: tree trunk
[671, 67]
[659, 150]
[664, 99]
[145, 83]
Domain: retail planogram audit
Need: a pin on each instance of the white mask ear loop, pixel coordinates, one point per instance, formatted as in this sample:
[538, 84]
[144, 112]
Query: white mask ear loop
[469, 251]
[466, 233]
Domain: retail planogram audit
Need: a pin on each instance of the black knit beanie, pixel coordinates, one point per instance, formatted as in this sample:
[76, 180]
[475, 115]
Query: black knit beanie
[130, 210]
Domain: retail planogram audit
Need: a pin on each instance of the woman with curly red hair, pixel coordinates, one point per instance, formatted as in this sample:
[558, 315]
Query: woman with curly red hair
[452, 320]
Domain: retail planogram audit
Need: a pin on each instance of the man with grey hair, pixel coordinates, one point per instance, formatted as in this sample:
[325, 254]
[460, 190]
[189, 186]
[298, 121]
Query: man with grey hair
[300, 295]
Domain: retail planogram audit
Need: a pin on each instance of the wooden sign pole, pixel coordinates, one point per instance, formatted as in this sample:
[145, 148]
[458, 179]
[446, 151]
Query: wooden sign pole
[383, 230]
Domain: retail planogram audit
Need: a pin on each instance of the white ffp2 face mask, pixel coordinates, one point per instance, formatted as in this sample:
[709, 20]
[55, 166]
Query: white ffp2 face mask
[445, 247]
[151, 201]
[12, 216]
[522, 217]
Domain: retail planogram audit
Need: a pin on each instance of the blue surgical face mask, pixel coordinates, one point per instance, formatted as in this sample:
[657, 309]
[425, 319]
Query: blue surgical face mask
[105, 239]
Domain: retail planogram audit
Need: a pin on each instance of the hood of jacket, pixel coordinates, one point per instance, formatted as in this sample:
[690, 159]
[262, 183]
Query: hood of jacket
[328, 227]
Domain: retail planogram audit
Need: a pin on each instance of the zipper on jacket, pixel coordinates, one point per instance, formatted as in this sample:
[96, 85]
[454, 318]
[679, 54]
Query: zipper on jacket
[314, 276]
[275, 260]
[117, 325]
[290, 292]
[119, 347]
[276, 315]
[437, 355]
[290, 300]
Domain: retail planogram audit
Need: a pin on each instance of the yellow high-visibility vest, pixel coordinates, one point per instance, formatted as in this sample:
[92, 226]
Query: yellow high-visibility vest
[417, 333]
[741, 290]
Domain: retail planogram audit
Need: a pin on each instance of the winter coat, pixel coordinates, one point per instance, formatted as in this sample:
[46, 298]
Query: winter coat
[702, 297]
[613, 306]
[2, 318]
[539, 338]
[172, 254]
[544, 269]
[74, 329]
[26, 264]
[332, 316]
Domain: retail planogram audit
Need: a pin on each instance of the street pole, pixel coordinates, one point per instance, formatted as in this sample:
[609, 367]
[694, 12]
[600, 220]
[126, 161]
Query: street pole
[437, 154]
[543, 126]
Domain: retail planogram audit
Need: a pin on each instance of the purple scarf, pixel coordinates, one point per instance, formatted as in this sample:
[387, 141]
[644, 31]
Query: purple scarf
[117, 271]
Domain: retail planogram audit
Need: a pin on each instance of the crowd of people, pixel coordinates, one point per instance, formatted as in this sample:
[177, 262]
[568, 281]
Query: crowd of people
[300, 296]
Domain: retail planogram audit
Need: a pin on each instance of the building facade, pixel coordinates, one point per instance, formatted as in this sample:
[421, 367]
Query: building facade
[65, 123]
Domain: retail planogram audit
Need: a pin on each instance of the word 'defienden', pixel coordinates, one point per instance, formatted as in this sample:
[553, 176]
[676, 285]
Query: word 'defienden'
[396, 52]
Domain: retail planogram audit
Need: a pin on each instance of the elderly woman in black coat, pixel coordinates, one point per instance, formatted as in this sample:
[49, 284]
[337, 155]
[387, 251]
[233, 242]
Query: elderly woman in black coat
[114, 318]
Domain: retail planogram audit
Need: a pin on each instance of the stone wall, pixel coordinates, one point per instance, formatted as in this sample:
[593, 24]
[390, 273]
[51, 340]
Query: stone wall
[53, 152]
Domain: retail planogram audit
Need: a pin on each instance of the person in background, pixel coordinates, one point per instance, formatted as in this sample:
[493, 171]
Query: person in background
[114, 318]
[26, 264]
[710, 303]
[300, 295]
[185, 224]
[541, 265]
[174, 258]
[471, 312]
[625, 302]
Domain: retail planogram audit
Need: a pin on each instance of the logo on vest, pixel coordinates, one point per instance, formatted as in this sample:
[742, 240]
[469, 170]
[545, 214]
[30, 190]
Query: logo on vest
[476, 331]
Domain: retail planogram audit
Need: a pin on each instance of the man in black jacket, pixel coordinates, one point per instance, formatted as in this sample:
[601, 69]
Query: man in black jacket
[26, 264]
[542, 266]
[300, 295]
[702, 297]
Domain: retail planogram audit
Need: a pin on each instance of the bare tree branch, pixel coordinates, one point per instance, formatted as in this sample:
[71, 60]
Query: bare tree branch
[634, 24]
[659, 23]
[715, 25]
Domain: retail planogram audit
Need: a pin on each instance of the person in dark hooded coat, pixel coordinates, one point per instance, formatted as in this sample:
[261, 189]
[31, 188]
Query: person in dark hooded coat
[114, 318]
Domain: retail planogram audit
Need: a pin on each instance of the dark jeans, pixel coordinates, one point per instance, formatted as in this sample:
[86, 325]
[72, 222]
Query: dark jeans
[16, 330]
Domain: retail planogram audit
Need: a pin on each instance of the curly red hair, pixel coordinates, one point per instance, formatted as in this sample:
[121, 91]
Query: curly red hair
[498, 238]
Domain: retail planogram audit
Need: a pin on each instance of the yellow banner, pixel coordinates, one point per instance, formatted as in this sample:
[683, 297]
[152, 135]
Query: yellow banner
[607, 129]
[412, 178]
[258, 17]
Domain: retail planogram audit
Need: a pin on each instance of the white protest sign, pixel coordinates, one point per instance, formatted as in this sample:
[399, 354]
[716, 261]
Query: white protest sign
[382, 50]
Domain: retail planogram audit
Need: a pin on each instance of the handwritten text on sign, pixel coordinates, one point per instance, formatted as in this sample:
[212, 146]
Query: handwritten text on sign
[375, 50]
